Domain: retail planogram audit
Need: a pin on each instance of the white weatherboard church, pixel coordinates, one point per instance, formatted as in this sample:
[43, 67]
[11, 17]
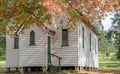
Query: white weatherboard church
[47, 48]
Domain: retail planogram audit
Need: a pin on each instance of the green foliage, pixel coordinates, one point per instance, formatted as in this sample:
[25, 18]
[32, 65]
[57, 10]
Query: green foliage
[104, 45]
[114, 32]
[116, 19]
[118, 54]
[2, 45]
[2, 58]
[107, 54]
[17, 12]
[74, 14]
[2, 51]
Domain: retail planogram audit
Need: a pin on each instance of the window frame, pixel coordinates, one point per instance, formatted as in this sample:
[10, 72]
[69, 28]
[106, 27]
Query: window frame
[32, 38]
[16, 42]
[90, 41]
[95, 46]
[65, 36]
[83, 37]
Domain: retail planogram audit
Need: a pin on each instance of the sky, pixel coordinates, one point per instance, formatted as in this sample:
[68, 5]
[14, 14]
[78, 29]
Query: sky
[107, 22]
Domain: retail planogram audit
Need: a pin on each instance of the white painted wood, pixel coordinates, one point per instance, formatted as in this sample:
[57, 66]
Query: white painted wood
[12, 55]
[68, 53]
[72, 55]
[33, 55]
[87, 58]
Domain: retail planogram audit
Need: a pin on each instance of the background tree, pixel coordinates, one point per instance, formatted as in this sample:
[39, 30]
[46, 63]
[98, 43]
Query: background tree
[104, 45]
[114, 32]
[2, 45]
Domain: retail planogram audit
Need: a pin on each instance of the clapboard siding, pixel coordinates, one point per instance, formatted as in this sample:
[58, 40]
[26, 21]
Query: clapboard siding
[33, 55]
[68, 53]
[12, 55]
[87, 58]
[72, 55]
[81, 50]
[96, 54]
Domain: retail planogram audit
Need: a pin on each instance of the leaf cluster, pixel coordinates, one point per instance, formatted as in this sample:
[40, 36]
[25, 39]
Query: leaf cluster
[15, 12]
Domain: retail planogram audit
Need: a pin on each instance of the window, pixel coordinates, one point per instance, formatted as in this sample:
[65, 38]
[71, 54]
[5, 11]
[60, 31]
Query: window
[64, 37]
[95, 47]
[90, 41]
[16, 42]
[83, 37]
[32, 38]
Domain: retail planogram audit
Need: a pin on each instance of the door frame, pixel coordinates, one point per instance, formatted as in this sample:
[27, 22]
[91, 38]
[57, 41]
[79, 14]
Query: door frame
[49, 50]
[51, 39]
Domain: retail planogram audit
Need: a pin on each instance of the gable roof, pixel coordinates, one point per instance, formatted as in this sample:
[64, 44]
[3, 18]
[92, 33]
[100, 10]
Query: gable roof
[48, 29]
[90, 26]
[19, 29]
[45, 28]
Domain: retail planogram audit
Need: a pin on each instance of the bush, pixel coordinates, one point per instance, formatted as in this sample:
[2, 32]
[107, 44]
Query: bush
[118, 53]
[2, 51]
[107, 54]
[2, 58]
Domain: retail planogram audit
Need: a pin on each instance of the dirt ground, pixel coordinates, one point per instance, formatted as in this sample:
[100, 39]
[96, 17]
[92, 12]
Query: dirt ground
[99, 71]
[107, 71]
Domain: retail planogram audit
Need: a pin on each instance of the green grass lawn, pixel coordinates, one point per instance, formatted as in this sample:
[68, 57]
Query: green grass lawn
[109, 64]
[2, 63]
[103, 65]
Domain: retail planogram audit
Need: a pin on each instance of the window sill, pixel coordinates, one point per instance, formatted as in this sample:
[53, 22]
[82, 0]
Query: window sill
[32, 45]
[15, 48]
[64, 45]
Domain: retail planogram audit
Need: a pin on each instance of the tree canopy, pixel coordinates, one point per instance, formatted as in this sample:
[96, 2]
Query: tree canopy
[114, 32]
[15, 12]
